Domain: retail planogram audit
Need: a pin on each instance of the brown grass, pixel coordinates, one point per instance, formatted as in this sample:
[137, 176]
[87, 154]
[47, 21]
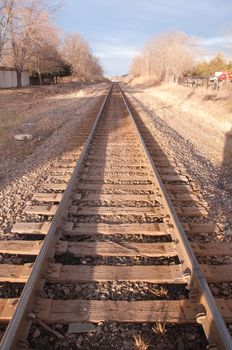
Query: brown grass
[140, 343]
[203, 116]
[229, 103]
[16, 107]
[8, 121]
[159, 328]
[143, 82]
[19, 106]
[219, 101]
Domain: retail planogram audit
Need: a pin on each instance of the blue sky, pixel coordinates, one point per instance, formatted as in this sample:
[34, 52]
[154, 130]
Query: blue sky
[117, 29]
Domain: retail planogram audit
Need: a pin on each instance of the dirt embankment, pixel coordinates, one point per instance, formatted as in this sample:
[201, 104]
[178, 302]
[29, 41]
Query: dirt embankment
[53, 116]
[194, 125]
[38, 112]
[204, 117]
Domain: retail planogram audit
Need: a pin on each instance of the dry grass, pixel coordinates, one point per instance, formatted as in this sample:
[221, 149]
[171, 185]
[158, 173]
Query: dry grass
[229, 103]
[159, 328]
[20, 106]
[218, 102]
[143, 82]
[8, 122]
[16, 107]
[140, 343]
[202, 116]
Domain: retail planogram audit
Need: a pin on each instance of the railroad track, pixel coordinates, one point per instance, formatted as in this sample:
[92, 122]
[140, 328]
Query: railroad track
[113, 223]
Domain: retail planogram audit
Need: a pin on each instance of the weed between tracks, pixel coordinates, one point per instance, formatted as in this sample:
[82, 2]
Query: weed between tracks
[114, 336]
[140, 343]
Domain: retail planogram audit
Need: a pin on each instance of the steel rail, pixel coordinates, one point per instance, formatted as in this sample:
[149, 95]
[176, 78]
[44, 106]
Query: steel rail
[211, 320]
[209, 316]
[21, 318]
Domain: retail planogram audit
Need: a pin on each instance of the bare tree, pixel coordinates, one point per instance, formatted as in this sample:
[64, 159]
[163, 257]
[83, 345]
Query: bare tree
[6, 8]
[27, 25]
[33, 41]
[166, 57]
[77, 53]
[46, 61]
[137, 66]
[45, 56]
[96, 68]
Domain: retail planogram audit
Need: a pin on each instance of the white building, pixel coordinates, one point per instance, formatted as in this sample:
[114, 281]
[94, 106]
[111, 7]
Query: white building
[8, 78]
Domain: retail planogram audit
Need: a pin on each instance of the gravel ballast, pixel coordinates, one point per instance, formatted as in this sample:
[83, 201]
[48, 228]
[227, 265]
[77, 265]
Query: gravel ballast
[20, 180]
[177, 139]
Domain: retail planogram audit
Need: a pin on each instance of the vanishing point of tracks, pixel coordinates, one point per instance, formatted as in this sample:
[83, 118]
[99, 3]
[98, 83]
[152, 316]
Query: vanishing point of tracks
[114, 224]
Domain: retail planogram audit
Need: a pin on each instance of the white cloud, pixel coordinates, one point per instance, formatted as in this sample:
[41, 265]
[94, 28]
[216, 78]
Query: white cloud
[217, 43]
[108, 51]
[115, 55]
[208, 47]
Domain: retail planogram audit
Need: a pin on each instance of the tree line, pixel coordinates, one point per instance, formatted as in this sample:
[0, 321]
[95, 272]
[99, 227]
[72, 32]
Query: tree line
[169, 56]
[208, 68]
[30, 40]
[164, 57]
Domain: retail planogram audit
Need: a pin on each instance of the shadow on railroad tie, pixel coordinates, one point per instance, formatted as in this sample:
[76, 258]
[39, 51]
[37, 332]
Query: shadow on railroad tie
[81, 249]
[96, 198]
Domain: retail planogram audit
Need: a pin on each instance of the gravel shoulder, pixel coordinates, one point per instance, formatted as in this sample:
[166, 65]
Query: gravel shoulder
[38, 112]
[199, 115]
[53, 125]
[193, 131]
